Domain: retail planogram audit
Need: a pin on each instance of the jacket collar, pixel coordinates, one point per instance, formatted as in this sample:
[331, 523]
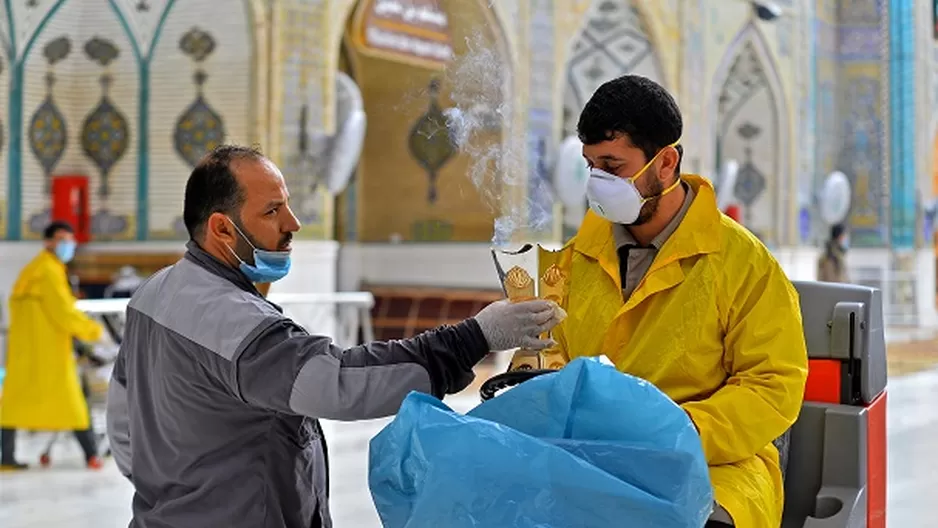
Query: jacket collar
[203, 259]
[624, 237]
[50, 257]
[695, 235]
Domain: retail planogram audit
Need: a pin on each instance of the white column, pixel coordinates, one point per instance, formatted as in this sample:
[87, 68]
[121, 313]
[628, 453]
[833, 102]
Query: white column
[925, 288]
[313, 270]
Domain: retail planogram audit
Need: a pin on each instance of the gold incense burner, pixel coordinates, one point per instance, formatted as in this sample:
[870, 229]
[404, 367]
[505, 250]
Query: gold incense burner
[553, 271]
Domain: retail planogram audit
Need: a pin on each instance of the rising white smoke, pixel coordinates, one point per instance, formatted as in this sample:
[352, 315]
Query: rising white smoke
[497, 169]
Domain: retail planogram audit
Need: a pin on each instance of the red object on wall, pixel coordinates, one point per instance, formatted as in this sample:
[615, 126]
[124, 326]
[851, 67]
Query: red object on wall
[732, 211]
[70, 204]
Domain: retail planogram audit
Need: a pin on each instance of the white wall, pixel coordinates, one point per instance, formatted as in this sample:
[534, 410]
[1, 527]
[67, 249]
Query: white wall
[313, 269]
[799, 263]
[925, 283]
[467, 266]
[471, 266]
[13, 256]
[325, 266]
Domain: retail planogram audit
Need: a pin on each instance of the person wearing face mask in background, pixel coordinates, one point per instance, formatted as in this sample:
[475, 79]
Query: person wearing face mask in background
[832, 264]
[675, 292]
[214, 402]
[42, 390]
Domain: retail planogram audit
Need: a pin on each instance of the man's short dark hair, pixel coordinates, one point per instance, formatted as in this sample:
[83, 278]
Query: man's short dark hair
[837, 230]
[54, 227]
[212, 187]
[635, 106]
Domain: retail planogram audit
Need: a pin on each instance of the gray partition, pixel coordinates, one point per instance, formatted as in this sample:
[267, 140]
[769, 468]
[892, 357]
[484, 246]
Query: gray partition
[845, 322]
[826, 477]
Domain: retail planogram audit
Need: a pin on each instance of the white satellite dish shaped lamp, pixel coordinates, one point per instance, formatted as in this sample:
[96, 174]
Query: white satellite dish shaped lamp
[347, 144]
[834, 199]
[571, 175]
[727, 184]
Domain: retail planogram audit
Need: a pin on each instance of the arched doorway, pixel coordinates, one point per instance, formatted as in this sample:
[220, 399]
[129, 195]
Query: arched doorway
[750, 127]
[411, 183]
[613, 41]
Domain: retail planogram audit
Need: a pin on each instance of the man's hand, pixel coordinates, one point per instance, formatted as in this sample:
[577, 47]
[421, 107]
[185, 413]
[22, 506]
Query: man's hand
[509, 325]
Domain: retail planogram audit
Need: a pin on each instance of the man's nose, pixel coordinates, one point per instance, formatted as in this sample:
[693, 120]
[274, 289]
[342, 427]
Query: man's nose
[292, 224]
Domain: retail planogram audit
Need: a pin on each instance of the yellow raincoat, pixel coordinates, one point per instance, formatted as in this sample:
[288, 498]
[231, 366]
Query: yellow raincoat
[716, 325]
[42, 389]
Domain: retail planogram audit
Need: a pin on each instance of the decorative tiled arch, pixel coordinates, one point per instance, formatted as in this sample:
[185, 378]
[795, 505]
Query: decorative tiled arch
[17, 59]
[15, 109]
[751, 38]
[614, 39]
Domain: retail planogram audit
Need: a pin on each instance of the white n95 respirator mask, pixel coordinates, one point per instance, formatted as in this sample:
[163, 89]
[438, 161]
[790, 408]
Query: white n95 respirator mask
[617, 199]
[613, 198]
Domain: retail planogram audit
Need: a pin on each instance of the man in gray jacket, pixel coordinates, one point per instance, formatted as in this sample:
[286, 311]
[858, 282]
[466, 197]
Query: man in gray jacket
[215, 396]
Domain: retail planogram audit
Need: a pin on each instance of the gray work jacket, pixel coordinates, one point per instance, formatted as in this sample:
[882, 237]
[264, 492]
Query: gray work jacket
[213, 405]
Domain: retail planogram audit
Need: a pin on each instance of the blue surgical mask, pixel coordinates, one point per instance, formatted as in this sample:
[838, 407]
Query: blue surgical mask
[65, 250]
[269, 266]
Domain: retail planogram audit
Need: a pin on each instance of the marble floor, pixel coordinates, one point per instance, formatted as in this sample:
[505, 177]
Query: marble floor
[68, 495]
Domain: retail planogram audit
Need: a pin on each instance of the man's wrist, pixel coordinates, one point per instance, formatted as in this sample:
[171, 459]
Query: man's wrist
[470, 333]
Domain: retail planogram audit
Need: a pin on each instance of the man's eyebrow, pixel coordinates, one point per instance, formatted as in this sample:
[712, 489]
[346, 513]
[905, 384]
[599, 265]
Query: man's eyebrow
[274, 203]
[610, 157]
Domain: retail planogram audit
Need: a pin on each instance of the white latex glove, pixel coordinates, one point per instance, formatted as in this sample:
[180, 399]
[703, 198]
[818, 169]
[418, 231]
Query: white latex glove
[508, 325]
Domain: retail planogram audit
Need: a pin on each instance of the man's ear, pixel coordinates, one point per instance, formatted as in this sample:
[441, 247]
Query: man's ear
[219, 227]
[669, 159]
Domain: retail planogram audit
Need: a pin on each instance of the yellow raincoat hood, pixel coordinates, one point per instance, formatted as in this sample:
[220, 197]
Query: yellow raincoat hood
[716, 325]
[42, 390]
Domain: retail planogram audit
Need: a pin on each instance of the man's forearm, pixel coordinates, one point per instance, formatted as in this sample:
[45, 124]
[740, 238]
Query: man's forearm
[362, 382]
[736, 422]
[447, 353]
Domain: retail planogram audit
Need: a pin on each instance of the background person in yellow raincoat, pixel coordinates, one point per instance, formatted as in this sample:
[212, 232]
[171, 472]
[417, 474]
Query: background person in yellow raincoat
[675, 292]
[42, 390]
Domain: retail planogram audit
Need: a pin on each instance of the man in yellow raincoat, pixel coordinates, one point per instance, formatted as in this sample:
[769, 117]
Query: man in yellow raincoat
[42, 390]
[675, 292]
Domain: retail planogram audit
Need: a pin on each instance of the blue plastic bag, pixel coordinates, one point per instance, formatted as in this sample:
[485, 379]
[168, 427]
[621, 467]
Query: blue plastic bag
[584, 447]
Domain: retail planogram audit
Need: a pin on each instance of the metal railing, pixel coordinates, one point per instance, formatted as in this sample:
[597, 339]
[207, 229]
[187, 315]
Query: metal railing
[900, 293]
[343, 316]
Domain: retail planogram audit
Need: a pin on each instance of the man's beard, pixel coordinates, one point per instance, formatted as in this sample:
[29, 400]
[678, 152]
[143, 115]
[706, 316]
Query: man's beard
[245, 250]
[650, 207]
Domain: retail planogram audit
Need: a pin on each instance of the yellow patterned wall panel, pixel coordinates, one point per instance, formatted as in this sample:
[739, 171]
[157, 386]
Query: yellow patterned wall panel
[72, 71]
[201, 78]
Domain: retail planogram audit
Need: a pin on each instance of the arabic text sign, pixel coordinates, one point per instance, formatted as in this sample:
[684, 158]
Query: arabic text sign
[409, 29]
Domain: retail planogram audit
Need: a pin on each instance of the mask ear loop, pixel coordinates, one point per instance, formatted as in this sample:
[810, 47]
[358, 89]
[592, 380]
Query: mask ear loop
[235, 254]
[671, 187]
[639, 173]
[238, 229]
[246, 239]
